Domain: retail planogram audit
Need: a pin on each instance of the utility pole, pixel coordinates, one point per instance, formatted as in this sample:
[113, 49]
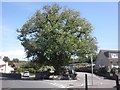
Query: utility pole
[92, 67]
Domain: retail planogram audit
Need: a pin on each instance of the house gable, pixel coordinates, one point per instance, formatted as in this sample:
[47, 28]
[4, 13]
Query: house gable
[4, 67]
[107, 58]
[102, 60]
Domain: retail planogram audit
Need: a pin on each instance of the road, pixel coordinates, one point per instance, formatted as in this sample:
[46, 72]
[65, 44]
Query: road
[27, 84]
[99, 82]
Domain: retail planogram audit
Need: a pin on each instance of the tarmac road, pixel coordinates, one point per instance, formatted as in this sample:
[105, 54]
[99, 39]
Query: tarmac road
[98, 82]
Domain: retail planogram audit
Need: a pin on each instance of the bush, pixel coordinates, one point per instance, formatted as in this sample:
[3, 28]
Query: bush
[20, 69]
[31, 70]
[102, 70]
[83, 69]
[46, 67]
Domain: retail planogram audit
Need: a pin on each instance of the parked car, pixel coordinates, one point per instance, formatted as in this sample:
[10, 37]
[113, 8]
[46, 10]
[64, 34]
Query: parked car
[26, 74]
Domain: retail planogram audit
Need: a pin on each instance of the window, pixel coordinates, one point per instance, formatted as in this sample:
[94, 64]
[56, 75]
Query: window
[114, 55]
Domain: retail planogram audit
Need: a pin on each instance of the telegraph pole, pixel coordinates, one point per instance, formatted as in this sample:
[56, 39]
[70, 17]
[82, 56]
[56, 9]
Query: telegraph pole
[92, 68]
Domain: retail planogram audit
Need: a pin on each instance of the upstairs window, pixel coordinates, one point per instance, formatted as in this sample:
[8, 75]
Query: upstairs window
[114, 55]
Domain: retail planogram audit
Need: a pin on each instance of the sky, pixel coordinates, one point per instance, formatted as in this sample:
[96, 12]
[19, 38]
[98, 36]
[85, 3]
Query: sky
[102, 15]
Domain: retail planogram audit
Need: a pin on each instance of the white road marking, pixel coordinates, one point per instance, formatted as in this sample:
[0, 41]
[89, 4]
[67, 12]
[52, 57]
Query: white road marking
[58, 85]
[82, 85]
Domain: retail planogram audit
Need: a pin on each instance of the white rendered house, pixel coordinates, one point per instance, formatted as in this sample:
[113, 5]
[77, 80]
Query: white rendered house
[4, 67]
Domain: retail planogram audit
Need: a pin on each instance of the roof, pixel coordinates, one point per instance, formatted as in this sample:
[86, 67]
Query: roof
[1, 62]
[2, 65]
[11, 63]
[113, 51]
[106, 53]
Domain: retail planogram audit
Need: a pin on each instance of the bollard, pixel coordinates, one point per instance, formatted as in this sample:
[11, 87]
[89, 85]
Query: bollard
[86, 83]
[117, 82]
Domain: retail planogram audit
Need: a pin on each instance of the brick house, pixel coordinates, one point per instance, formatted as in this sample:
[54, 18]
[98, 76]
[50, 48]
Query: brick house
[108, 59]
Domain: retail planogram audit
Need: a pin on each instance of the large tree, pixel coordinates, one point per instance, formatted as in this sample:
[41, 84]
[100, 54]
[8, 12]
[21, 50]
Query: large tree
[54, 34]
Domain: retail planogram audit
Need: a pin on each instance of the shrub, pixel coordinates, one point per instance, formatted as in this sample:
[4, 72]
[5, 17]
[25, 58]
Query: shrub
[102, 70]
[20, 69]
[46, 67]
[31, 70]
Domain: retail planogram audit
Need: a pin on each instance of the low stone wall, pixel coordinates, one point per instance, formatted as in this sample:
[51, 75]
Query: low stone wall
[11, 75]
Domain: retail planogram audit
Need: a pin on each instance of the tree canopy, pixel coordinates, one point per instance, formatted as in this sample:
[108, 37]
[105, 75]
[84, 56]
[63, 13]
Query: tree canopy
[15, 60]
[54, 34]
[6, 59]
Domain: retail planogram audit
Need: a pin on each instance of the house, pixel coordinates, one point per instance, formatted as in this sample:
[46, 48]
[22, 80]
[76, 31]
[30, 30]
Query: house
[108, 59]
[4, 67]
[12, 64]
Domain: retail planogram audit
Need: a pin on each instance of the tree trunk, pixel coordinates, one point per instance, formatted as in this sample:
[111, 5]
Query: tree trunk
[58, 63]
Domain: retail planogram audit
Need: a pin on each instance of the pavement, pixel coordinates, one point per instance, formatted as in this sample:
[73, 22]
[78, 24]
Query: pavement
[98, 82]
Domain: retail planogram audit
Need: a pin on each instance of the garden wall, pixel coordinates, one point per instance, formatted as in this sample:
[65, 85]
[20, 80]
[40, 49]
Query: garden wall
[11, 75]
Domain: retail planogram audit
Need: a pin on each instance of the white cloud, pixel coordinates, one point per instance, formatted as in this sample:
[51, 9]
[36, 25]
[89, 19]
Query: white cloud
[20, 54]
[14, 53]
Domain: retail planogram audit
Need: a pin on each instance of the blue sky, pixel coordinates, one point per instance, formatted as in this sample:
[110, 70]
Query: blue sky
[103, 17]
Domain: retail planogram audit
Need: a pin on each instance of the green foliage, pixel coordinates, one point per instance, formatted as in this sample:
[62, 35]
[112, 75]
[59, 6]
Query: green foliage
[31, 70]
[46, 67]
[29, 66]
[6, 59]
[32, 67]
[20, 69]
[15, 60]
[51, 36]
